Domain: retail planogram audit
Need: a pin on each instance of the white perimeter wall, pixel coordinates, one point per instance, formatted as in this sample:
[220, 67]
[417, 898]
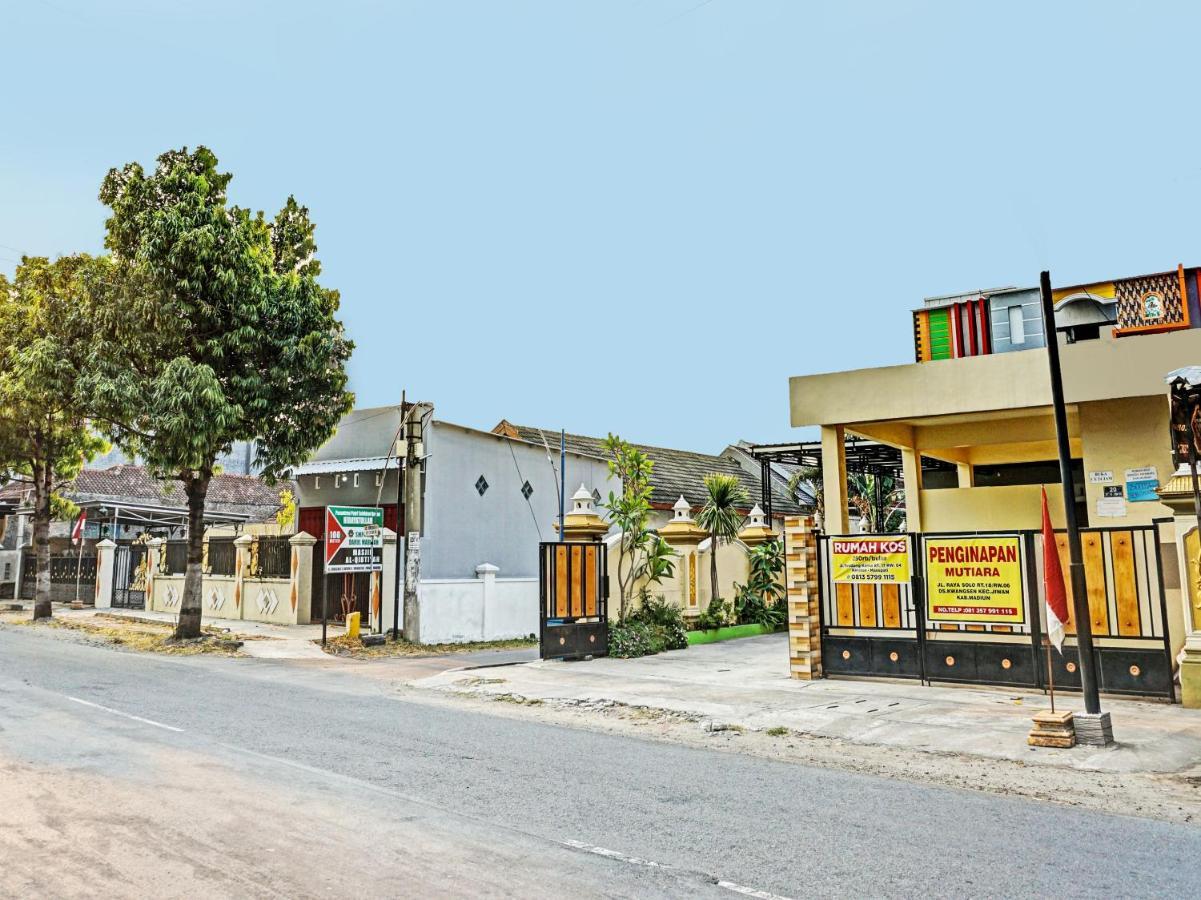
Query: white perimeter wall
[485, 608]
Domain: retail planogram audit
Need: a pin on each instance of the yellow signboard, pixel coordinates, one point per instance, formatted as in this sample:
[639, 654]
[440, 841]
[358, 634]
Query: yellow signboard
[976, 579]
[869, 560]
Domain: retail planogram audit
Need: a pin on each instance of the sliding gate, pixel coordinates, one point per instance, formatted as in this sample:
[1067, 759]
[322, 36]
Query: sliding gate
[915, 629]
[573, 609]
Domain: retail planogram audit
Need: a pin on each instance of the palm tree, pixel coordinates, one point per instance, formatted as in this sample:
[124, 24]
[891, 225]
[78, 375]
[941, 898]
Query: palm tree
[720, 516]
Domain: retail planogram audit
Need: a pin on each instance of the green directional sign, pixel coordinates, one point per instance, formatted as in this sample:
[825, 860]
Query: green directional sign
[354, 539]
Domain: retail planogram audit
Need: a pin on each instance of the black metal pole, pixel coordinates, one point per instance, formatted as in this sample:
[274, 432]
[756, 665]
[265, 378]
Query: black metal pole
[399, 561]
[562, 482]
[1084, 622]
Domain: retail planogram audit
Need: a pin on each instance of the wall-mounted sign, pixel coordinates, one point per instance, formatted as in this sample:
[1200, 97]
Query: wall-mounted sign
[354, 539]
[1152, 303]
[976, 579]
[869, 560]
[1105, 477]
[1112, 490]
[1111, 507]
[1141, 484]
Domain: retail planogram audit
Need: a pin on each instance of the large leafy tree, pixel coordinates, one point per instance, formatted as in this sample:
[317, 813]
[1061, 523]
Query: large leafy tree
[721, 516]
[211, 328]
[44, 436]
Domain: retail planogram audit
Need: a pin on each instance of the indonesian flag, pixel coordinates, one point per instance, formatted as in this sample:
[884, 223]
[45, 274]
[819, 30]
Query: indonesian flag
[1053, 588]
[77, 532]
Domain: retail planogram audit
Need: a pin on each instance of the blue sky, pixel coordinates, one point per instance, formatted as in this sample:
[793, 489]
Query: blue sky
[637, 216]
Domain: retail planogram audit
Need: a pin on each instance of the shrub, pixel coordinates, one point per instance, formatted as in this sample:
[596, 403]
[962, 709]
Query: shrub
[630, 639]
[667, 617]
[716, 615]
[761, 600]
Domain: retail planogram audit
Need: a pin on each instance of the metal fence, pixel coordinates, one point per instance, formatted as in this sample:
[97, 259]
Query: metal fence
[272, 557]
[175, 557]
[222, 556]
[64, 569]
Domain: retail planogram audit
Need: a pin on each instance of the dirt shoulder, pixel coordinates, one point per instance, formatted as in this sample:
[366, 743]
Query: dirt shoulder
[119, 632]
[354, 648]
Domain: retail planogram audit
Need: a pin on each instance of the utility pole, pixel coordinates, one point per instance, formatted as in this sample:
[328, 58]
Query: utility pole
[414, 447]
[1097, 728]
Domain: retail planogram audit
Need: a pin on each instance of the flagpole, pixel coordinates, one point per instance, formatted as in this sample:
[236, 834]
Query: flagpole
[1082, 614]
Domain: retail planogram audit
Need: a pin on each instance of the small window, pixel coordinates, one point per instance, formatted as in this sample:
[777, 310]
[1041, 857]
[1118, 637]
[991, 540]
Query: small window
[316, 482]
[356, 479]
[1017, 326]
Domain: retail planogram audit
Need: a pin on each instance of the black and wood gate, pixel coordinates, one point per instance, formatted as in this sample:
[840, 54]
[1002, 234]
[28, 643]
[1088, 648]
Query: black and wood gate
[573, 610]
[129, 576]
[882, 629]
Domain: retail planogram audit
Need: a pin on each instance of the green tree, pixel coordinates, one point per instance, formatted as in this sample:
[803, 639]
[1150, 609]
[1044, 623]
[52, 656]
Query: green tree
[44, 435]
[211, 329]
[629, 511]
[721, 517]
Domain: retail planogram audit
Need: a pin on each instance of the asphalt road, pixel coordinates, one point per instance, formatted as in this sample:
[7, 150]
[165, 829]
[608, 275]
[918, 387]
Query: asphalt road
[127, 775]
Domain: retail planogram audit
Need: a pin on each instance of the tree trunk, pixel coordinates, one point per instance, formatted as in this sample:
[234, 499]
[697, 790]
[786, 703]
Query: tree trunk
[43, 480]
[196, 486]
[714, 593]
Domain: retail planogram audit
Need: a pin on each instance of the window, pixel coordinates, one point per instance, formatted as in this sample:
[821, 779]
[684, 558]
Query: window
[316, 482]
[1017, 326]
[356, 479]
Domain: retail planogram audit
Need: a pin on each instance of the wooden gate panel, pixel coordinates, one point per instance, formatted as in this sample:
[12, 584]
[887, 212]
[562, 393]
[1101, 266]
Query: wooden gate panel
[1125, 585]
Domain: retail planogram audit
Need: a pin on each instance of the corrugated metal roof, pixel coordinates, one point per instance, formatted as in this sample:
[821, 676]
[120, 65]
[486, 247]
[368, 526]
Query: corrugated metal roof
[357, 464]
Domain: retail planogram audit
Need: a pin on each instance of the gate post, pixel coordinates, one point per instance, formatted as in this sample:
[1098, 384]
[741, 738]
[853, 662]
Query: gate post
[154, 562]
[104, 574]
[804, 612]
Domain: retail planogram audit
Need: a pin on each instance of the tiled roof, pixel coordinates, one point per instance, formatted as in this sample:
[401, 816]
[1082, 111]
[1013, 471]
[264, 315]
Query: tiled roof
[236, 494]
[676, 472]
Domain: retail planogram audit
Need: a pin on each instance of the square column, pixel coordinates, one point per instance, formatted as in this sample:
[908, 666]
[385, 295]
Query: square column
[834, 479]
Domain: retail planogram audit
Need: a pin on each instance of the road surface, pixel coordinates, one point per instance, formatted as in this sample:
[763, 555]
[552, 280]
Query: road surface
[130, 775]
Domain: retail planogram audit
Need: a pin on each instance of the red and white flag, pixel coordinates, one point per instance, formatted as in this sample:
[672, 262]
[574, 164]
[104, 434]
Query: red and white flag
[77, 532]
[1053, 587]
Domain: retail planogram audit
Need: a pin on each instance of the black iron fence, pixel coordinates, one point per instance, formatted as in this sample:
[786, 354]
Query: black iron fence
[175, 557]
[222, 556]
[64, 569]
[271, 558]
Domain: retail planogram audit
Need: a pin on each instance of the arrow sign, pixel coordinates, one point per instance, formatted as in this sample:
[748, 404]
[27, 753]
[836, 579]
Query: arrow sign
[354, 539]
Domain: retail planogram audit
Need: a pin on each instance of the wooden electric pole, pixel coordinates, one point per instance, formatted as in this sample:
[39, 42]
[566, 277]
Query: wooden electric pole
[414, 445]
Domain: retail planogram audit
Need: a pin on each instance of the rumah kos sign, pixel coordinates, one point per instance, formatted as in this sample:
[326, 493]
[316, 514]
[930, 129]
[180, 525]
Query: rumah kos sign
[869, 559]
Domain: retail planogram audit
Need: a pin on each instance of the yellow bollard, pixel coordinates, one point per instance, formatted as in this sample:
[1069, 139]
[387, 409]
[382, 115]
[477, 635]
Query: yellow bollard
[352, 625]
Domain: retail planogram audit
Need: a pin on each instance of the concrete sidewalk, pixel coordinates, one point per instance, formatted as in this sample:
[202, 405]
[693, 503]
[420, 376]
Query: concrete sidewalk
[745, 682]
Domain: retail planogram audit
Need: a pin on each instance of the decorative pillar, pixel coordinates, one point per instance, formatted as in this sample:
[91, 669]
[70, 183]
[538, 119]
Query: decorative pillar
[105, 551]
[1177, 494]
[834, 479]
[804, 614]
[241, 565]
[486, 573]
[300, 591]
[755, 530]
[154, 562]
[684, 535]
[582, 523]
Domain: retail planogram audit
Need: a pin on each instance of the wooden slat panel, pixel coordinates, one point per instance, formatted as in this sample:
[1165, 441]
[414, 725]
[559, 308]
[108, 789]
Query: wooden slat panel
[590, 581]
[846, 612]
[1094, 574]
[890, 599]
[866, 594]
[1125, 585]
[560, 582]
[577, 581]
[1065, 565]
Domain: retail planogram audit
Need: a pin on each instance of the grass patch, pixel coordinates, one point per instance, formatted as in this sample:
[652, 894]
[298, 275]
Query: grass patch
[353, 647]
[144, 637]
[778, 731]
